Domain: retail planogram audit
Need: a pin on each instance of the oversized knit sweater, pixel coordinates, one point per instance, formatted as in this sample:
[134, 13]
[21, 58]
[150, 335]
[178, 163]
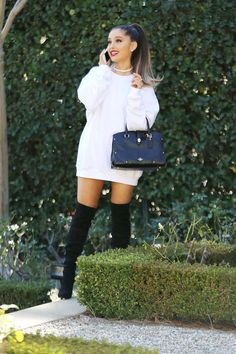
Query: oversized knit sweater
[110, 103]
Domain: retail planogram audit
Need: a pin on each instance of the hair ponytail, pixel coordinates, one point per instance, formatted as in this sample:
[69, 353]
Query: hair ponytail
[140, 59]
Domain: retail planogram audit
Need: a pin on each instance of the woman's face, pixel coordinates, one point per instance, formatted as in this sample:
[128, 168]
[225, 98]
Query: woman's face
[120, 46]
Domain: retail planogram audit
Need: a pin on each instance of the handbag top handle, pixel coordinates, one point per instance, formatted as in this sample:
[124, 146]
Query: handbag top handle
[148, 128]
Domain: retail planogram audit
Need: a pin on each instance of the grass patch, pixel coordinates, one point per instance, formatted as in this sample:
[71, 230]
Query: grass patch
[57, 345]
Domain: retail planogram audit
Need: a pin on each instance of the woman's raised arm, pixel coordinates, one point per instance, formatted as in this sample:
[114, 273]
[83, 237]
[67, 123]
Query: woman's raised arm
[141, 104]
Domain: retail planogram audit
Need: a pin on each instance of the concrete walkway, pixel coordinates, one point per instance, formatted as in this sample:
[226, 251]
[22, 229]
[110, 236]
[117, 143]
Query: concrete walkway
[41, 314]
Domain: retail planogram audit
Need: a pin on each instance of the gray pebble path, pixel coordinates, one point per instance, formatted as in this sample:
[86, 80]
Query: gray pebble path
[168, 339]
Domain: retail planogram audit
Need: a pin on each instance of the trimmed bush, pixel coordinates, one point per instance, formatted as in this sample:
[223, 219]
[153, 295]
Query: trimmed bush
[135, 284]
[58, 345]
[23, 294]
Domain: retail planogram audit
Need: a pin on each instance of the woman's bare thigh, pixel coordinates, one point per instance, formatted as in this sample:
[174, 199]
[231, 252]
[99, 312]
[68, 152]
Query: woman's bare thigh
[121, 193]
[89, 191]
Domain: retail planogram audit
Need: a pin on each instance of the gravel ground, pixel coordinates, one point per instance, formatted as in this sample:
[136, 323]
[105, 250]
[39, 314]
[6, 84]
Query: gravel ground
[168, 339]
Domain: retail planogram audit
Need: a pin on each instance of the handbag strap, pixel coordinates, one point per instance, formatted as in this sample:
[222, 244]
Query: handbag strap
[149, 130]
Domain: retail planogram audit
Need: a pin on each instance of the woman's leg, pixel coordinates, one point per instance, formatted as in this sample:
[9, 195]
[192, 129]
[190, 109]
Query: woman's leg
[88, 194]
[121, 196]
[89, 191]
[121, 193]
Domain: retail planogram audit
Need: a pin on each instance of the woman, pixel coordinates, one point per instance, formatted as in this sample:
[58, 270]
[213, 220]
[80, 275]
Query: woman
[115, 93]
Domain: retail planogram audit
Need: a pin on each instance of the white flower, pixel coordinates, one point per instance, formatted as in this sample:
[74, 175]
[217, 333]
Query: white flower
[226, 235]
[53, 294]
[7, 307]
[157, 245]
[43, 39]
[160, 226]
[14, 227]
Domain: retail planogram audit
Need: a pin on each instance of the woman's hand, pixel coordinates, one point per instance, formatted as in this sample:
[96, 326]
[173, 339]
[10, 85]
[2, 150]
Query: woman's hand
[137, 81]
[102, 59]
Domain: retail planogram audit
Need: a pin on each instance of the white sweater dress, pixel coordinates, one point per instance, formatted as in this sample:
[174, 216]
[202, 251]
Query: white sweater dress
[110, 103]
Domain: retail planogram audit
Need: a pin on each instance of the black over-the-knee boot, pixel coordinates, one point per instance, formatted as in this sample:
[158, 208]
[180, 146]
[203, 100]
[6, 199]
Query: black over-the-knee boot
[79, 228]
[121, 228]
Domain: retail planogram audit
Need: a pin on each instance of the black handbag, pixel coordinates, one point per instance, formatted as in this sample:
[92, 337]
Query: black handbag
[138, 150]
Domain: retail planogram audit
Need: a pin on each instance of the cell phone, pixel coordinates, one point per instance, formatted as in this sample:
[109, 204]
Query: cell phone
[107, 57]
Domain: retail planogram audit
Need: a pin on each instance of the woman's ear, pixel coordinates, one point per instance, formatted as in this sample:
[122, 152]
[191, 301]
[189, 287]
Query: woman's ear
[133, 46]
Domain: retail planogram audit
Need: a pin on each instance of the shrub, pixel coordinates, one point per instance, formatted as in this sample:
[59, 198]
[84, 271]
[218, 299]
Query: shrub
[23, 294]
[21, 255]
[141, 286]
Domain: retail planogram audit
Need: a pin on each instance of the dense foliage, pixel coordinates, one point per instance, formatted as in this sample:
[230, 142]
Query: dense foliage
[144, 286]
[48, 51]
[24, 294]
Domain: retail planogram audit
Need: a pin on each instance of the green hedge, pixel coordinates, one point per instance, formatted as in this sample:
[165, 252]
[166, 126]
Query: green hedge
[137, 285]
[48, 50]
[56, 345]
[23, 294]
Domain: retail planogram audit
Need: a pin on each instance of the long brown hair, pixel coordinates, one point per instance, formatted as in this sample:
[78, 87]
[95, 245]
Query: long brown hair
[140, 59]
